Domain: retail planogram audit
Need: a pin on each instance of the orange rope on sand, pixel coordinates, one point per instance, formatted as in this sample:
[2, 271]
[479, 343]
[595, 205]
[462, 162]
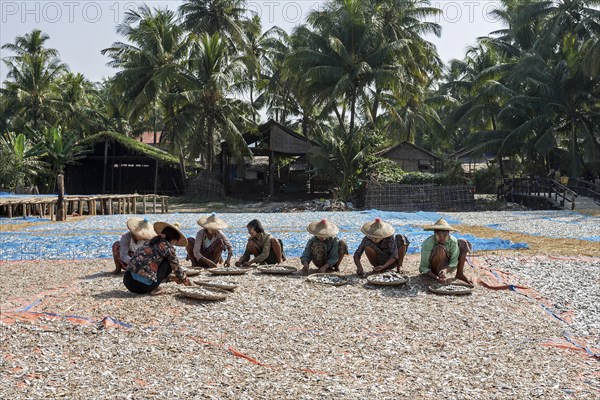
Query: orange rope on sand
[242, 355]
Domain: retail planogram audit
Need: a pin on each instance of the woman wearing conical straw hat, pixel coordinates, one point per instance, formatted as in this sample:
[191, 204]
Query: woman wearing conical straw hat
[324, 249]
[140, 231]
[153, 262]
[442, 253]
[383, 250]
[262, 245]
[207, 249]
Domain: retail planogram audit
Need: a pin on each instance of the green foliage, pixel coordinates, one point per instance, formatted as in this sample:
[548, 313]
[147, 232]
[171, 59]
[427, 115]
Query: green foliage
[486, 180]
[386, 171]
[21, 162]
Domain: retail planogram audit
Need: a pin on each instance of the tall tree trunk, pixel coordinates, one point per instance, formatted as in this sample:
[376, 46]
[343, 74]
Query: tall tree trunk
[209, 154]
[182, 165]
[352, 111]
[499, 155]
[60, 205]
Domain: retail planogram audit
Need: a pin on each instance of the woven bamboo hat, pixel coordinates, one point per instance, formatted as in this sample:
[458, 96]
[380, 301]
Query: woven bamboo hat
[440, 225]
[323, 228]
[160, 226]
[212, 222]
[141, 228]
[377, 229]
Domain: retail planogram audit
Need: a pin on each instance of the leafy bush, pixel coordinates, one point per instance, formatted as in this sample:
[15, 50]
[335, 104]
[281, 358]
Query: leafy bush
[487, 180]
[387, 171]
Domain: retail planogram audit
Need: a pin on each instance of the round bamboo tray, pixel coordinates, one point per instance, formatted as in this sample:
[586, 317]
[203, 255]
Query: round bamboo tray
[453, 288]
[218, 284]
[387, 279]
[227, 271]
[277, 269]
[328, 279]
[204, 293]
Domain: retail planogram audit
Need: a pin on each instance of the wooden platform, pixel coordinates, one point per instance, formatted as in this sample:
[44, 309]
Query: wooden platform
[108, 204]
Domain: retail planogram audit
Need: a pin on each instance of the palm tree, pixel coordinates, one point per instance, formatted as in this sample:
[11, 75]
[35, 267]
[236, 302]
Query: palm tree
[345, 54]
[149, 65]
[21, 162]
[204, 111]
[32, 72]
[224, 17]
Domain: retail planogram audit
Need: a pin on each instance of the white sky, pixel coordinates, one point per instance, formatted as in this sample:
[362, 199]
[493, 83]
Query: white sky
[80, 29]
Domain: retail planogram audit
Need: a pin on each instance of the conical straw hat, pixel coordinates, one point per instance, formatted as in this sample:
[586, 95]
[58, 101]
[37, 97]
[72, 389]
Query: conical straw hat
[141, 228]
[323, 228]
[440, 225]
[377, 229]
[160, 226]
[212, 222]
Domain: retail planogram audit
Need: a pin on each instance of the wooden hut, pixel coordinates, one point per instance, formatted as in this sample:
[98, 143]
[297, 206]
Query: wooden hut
[119, 164]
[471, 158]
[270, 142]
[411, 157]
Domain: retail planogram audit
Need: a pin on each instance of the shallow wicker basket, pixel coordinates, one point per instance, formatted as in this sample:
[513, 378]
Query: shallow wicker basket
[227, 271]
[452, 288]
[204, 293]
[277, 269]
[191, 272]
[328, 279]
[218, 284]
[387, 279]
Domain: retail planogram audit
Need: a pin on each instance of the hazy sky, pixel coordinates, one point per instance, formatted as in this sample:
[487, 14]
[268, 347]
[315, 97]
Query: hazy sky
[80, 29]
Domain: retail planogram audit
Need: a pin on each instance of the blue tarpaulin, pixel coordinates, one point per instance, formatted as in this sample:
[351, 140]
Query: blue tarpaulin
[92, 237]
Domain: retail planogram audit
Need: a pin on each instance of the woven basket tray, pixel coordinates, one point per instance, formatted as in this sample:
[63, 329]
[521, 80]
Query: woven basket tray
[453, 288]
[204, 293]
[227, 271]
[387, 279]
[192, 272]
[328, 279]
[218, 284]
[277, 269]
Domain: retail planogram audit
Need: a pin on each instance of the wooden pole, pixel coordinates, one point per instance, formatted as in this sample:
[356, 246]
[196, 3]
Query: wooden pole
[110, 210]
[162, 205]
[144, 203]
[105, 163]
[271, 175]
[60, 212]
[154, 204]
[156, 178]
[134, 204]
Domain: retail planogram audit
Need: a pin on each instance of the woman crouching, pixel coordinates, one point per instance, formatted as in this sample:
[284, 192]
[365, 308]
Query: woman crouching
[264, 247]
[152, 263]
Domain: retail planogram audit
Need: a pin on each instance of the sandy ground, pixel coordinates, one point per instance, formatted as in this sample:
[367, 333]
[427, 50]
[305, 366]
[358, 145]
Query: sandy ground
[277, 337]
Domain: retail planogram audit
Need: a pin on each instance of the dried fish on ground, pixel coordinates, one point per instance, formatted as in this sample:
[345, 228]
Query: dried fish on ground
[328, 279]
[387, 279]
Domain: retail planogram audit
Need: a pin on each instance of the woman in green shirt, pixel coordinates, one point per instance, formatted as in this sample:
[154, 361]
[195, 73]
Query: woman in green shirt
[442, 253]
[324, 249]
[263, 246]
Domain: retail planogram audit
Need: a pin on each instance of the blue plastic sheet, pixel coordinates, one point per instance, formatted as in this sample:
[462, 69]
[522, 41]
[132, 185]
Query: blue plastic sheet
[92, 237]
[21, 220]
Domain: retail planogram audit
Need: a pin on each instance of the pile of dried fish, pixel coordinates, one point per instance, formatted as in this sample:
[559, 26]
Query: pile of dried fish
[451, 288]
[328, 279]
[204, 293]
[277, 269]
[282, 338]
[218, 284]
[387, 279]
[228, 271]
